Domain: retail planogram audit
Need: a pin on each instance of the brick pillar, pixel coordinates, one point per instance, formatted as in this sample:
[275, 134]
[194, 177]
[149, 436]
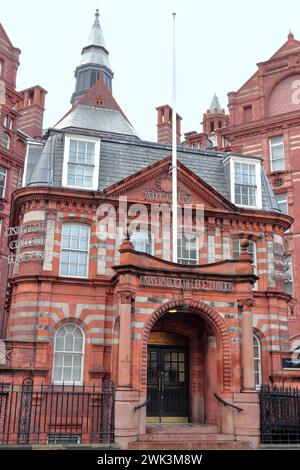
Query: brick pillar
[127, 420]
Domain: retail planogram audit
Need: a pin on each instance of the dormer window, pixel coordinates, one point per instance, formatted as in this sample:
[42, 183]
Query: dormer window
[245, 177]
[245, 188]
[81, 162]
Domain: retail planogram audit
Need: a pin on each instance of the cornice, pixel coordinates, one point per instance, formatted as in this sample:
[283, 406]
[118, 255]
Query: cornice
[261, 127]
[74, 200]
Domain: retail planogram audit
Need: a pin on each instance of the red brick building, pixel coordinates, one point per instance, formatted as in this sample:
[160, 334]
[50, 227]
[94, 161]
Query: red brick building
[18, 121]
[264, 120]
[95, 296]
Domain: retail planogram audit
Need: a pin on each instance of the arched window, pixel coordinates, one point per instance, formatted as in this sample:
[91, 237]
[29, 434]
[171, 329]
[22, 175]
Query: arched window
[5, 140]
[257, 361]
[142, 241]
[68, 355]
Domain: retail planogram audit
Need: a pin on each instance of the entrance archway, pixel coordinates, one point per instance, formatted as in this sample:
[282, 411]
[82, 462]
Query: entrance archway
[187, 354]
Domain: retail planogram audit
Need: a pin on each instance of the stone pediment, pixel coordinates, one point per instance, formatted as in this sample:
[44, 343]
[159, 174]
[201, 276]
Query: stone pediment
[153, 184]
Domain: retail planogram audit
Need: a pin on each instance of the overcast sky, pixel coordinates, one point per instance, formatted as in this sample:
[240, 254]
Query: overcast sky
[218, 46]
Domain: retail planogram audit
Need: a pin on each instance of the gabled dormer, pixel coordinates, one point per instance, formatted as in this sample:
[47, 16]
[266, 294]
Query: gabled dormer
[244, 176]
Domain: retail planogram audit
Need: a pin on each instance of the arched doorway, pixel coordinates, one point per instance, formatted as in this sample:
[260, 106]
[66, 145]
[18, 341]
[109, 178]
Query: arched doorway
[188, 359]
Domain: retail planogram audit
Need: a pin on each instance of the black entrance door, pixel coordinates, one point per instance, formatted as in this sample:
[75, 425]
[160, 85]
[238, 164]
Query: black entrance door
[168, 390]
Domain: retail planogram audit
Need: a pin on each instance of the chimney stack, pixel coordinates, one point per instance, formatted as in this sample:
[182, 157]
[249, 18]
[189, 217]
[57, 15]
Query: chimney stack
[164, 125]
[31, 110]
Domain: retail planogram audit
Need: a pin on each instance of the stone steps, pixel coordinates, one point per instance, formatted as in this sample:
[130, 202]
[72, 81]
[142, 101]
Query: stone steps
[182, 429]
[200, 445]
[185, 437]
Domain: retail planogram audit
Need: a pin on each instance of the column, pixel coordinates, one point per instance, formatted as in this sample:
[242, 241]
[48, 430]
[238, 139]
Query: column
[247, 344]
[124, 365]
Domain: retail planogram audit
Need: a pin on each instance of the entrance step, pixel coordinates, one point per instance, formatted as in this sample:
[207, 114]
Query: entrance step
[198, 445]
[186, 437]
[190, 437]
[186, 428]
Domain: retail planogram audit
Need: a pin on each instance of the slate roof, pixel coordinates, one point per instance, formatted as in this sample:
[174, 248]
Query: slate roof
[122, 156]
[98, 119]
[95, 51]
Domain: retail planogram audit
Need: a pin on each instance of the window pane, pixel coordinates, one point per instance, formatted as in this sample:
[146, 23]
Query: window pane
[78, 344]
[276, 140]
[69, 342]
[76, 374]
[58, 358]
[67, 374]
[77, 360]
[59, 344]
[278, 165]
[57, 374]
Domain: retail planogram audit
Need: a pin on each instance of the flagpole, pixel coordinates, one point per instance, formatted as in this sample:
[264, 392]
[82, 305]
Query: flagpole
[174, 152]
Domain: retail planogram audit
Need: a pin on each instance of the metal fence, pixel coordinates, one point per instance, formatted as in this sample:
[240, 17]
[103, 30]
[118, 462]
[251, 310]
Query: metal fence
[50, 414]
[279, 415]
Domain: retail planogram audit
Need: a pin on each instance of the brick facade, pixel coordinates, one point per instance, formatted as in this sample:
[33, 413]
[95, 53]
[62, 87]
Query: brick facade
[266, 106]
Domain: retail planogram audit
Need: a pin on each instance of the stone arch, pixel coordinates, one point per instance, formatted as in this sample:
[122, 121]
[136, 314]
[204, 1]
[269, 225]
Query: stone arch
[208, 314]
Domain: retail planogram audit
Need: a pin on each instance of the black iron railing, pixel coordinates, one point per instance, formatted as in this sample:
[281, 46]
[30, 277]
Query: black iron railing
[279, 415]
[227, 403]
[51, 414]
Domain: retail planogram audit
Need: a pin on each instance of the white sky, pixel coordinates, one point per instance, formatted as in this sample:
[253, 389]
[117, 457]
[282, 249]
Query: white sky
[218, 46]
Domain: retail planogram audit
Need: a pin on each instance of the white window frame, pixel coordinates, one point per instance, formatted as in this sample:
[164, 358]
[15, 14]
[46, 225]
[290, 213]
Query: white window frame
[271, 154]
[259, 359]
[67, 249]
[189, 259]
[61, 382]
[5, 181]
[68, 138]
[248, 161]
[28, 144]
[290, 279]
[284, 198]
[8, 141]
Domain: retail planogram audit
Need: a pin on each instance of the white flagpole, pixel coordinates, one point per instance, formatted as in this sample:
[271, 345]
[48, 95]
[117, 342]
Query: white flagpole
[174, 151]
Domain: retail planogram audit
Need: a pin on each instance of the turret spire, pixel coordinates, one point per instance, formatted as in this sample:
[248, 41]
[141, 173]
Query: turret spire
[94, 61]
[215, 104]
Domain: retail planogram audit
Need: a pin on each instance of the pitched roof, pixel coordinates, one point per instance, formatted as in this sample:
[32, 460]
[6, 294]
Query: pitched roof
[96, 119]
[97, 110]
